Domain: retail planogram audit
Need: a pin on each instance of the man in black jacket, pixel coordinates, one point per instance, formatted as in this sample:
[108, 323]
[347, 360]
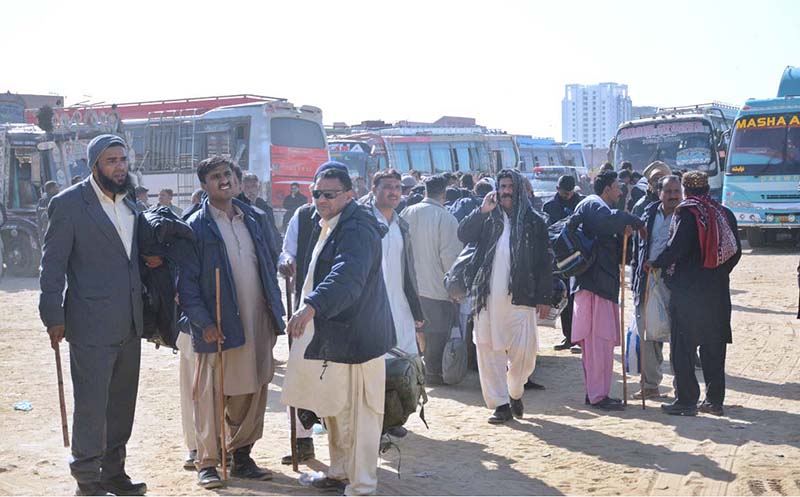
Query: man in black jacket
[702, 251]
[512, 254]
[342, 329]
[561, 206]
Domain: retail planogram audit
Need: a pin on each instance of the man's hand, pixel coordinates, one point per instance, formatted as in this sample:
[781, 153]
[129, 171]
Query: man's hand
[648, 267]
[419, 324]
[421, 341]
[543, 310]
[287, 268]
[628, 231]
[300, 319]
[643, 233]
[152, 261]
[489, 202]
[56, 335]
[211, 334]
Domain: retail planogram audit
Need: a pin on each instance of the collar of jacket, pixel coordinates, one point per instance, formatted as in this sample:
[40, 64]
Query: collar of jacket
[369, 203]
[208, 217]
[428, 200]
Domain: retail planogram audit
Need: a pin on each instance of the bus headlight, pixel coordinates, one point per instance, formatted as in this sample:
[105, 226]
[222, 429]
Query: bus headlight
[754, 218]
[791, 218]
[770, 218]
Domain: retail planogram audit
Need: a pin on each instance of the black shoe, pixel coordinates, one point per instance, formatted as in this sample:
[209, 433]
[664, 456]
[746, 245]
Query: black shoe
[191, 457]
[245, 467]
[208, 478]
[609, 404]
[122, 485]
[564, 345]
[709, 408]
[530, 385]
[575, 349]
[397, 431]
[501, 415]
[326, 483]
[90, 489]
[517, 409]
[304, 449]
[676, 409]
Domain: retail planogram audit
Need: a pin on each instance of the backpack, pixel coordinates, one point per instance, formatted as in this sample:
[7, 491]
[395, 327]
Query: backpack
[405, 388]
[573, 250]
[457, 281]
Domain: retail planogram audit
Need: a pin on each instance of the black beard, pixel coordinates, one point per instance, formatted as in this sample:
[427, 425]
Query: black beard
[110, 185]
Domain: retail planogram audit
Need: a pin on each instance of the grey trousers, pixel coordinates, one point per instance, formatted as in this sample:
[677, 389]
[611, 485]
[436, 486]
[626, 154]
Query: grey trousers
[440, 317]
[105, 381]
[653, 357]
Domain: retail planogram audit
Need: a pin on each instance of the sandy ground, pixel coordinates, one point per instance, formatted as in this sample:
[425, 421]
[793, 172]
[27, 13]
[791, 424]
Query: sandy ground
[560, 447]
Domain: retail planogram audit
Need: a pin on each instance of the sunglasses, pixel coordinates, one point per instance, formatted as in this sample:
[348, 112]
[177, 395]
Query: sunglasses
[328, 194]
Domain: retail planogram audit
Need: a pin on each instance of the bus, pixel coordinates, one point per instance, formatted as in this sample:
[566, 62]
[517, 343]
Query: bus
[429, 150]
[537, 157]
[271, 137]
[685, 138]
[762, 183]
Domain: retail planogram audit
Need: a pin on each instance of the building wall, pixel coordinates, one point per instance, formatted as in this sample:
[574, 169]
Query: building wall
[590, 114]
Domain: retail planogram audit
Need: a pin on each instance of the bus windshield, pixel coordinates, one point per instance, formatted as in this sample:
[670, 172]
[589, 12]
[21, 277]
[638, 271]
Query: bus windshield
[682, 145]
[353, 155]
[765, 145]
[299, 133]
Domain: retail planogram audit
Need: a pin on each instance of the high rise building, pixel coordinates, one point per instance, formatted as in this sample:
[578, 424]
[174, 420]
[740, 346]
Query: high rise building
[590, 114]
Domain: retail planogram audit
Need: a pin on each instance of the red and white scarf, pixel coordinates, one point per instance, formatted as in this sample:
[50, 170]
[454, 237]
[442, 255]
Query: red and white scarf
[717, 240]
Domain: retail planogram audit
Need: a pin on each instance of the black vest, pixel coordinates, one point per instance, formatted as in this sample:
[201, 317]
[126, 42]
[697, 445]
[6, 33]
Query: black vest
[305, 230]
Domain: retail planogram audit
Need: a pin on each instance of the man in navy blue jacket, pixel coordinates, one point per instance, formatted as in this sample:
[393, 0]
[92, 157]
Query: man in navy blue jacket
[229, 237]
[596, 315]
[342, 329]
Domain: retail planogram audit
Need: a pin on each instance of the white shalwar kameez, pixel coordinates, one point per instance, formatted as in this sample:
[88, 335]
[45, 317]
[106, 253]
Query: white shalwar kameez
[505, 335]
[393, 263]
[348, 397]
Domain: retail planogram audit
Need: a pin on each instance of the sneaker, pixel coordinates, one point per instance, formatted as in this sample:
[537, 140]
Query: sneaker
[564, 345]
[648, 393]
[676, 409]
[709, 408]
[609, 404]
[208, 478]
[188, 463]
[517, 409]
[501, 415]
[304, 449]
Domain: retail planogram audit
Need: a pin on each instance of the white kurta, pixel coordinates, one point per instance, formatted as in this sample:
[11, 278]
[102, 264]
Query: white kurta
[505, 334]
[392, 263]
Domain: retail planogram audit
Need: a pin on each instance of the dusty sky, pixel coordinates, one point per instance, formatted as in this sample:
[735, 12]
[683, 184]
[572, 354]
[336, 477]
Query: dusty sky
[503, 62]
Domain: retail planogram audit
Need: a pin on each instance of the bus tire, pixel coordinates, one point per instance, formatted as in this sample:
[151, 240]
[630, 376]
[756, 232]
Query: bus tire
[755, 237]
[20, 257]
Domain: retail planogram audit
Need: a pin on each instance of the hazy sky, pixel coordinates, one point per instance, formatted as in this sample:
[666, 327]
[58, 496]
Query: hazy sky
[505, 63]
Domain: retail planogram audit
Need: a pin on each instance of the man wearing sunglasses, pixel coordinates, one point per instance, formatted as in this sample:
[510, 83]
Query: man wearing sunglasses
[341, 331]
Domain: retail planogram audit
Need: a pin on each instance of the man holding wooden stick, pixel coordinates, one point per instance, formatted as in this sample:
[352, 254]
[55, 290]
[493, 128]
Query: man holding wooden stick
[229, 237]
[595, 324]
[91, 244]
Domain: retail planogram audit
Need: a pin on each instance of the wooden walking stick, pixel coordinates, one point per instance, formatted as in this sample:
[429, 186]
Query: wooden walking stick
[221, 369]
[622, 318]
[649, 275]
[61, 401]
[292, 410]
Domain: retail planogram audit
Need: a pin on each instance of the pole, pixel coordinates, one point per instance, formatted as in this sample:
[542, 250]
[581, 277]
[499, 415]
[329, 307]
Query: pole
[292, 410]
[622, 318]
[649, 275]
[221, 369]
[61, 401]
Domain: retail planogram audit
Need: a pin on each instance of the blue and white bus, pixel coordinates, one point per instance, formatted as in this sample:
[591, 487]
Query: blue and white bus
[762, 182]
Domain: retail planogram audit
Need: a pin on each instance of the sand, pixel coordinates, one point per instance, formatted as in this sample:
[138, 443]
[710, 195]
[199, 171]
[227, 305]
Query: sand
[560, 447]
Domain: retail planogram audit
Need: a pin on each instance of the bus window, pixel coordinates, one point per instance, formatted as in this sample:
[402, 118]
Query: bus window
[401, 160]
[420, 157]
[292, 132]
[442, 160]
[462, 153]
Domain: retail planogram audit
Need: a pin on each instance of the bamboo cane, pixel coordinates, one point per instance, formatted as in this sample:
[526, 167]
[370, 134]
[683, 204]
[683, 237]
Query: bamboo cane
[62, 402]
[622, 318]
[649, 275]
[292, 410]
[221, 369]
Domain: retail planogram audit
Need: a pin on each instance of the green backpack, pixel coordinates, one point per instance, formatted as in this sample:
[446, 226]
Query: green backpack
[405, 389]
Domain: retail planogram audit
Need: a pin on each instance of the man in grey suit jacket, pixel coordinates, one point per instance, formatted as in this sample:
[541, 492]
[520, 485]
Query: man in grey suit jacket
[91, 243]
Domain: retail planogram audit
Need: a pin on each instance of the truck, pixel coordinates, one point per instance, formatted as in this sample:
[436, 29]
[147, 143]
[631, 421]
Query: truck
[762, 181]
[692, 137]
[24, 168]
